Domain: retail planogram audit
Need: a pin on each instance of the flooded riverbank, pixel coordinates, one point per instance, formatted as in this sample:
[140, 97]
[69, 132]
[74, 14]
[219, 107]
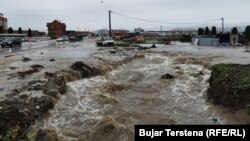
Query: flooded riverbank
[107, 107]
[166, 85]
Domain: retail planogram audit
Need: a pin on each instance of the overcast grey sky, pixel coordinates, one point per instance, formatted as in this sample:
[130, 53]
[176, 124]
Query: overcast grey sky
[93, 14]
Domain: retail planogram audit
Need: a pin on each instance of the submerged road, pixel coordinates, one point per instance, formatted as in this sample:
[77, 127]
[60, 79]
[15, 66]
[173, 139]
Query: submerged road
[27, 46]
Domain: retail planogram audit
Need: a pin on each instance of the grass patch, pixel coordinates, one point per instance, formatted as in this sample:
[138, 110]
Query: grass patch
[230, 85]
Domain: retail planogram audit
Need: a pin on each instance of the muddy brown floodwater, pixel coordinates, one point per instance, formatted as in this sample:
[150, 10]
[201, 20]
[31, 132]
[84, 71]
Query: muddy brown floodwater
[167, 85]
[107, 107]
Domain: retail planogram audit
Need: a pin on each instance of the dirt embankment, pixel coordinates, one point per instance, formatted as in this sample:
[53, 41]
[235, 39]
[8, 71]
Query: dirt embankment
[230, 85]
[17, 115]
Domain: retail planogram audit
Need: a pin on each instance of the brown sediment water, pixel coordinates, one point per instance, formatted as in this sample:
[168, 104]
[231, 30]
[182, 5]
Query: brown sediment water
[107, 107]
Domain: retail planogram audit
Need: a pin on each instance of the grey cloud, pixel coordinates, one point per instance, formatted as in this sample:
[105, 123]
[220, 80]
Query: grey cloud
[93, 14]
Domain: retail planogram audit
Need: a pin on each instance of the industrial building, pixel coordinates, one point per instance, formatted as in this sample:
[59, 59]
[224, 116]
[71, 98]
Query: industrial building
[206, 40]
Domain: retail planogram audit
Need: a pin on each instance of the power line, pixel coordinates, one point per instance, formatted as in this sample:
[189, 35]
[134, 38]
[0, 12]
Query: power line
[152, 21]
[140, 19]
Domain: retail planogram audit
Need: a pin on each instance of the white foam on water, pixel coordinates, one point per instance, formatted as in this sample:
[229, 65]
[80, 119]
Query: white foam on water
[189, 93]
[182, 99]
[78, 108]
[153, 64]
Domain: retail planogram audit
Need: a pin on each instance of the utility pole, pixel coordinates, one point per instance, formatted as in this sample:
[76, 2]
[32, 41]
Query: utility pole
[110, 32]
[222, 19]
[161, 31]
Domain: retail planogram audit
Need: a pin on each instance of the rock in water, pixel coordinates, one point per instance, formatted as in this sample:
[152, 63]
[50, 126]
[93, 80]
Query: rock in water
[52, 60]
[36, 66]
[215, 120]
[26, 59]
[112, 52]
[47, 135]
[109, 130]
[167, 76]
[56, 82]
[85, 70]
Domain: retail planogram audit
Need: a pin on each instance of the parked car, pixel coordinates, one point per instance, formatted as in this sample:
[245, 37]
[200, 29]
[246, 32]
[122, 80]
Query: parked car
[65, 38]
[238, 44]
[86, 37]
[62, 39]
[11, 42]
[59, 39]
[105, 41]
[1, 39]
[108, 42]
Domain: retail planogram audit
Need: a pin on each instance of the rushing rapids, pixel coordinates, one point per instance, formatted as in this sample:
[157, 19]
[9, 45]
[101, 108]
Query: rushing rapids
[107, 107]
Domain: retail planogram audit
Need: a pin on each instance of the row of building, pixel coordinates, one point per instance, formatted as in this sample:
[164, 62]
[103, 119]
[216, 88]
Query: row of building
[58, 29]
[142, 32]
